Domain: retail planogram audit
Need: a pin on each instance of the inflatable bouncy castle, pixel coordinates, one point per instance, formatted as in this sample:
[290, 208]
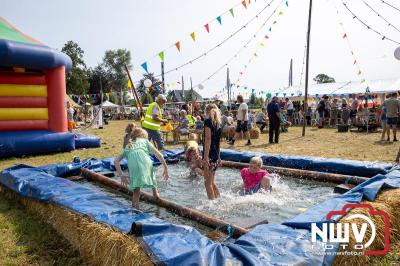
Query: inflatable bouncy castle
[33, 116]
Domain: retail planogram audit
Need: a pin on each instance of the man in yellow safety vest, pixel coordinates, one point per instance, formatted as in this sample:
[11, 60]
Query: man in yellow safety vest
[153, 120]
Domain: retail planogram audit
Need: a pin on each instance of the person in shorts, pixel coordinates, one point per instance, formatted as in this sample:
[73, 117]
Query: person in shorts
[242, 121]
[353, 110]
[321, 108]
[392, 113]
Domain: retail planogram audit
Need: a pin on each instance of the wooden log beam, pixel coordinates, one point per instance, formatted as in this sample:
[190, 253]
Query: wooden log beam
[303, 174]
[195, 215]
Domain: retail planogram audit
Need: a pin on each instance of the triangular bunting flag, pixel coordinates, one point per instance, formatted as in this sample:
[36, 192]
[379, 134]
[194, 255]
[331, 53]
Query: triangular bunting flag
[359, 72]
[270, 29]
[287, 3]
[355, 62]
[129, 83]
[207, 28]
[345, 36]
[362, 81]
[244, 3]
[280, 13]
[231, 10]
[274, 22]
[219, 20]
[161, 55]
[255, 54]
[144, 65]
[193, 35]
[266, 37]
[178, 46]
[262, 44]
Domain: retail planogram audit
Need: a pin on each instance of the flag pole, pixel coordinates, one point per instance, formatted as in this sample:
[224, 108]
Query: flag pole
[138, 103]
[307, 69]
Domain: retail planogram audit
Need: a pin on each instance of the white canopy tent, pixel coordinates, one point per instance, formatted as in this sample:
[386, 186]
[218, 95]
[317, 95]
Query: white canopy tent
[342, 88]
[108, 104]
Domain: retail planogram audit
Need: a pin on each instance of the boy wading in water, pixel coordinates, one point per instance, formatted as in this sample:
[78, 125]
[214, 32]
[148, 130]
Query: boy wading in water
[211, 156]
[141, 170]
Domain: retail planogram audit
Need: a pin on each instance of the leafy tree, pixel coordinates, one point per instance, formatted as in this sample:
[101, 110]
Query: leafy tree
[77, 77]
[114, 68]
[190, 96]
[323, 78]
[253, 98]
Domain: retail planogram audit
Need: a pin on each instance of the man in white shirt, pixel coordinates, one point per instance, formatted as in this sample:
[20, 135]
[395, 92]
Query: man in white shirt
[289, 109]
[242, 120]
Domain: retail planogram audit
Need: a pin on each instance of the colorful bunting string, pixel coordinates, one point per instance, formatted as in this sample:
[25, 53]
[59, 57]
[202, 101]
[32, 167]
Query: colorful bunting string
[253, 37]
[355, 61]
[219, 44]
[207, 26]
[256, 52]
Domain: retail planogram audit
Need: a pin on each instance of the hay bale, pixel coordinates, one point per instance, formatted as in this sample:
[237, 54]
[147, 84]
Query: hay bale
[388, 201]
[97, 243]
[255, 133]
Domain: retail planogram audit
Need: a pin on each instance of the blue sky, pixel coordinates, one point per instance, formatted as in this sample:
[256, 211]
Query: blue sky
[148, 27]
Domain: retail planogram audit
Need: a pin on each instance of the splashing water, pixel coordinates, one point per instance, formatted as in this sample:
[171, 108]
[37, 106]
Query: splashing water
[289, 196]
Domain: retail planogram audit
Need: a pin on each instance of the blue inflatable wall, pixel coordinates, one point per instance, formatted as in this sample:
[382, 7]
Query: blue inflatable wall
[19, 143]
[337, 166]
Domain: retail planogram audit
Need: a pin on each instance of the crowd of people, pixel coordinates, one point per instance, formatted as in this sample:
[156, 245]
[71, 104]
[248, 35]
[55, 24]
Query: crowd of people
[139, 145]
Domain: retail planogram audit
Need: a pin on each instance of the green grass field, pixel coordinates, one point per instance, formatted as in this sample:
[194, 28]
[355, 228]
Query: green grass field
[26, 240]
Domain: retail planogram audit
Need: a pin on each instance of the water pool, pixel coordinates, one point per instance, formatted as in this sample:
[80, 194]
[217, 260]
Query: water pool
[289, 197]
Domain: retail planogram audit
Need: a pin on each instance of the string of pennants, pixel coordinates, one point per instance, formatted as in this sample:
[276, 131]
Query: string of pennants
[206, 27]
[261, 45]
[254, 54]
[245, 46]
[356, 62]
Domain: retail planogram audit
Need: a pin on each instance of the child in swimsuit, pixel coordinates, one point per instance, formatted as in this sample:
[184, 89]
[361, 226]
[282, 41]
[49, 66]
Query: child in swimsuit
[192, 155]
[255, 178]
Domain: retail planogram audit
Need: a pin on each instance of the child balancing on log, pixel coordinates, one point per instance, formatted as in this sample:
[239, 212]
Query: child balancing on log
[255, 178]
[140, 165]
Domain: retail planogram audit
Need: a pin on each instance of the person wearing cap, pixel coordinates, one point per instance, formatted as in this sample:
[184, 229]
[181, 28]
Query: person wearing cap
[153, 120]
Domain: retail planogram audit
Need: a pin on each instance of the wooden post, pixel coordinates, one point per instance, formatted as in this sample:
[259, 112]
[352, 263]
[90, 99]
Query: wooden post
[162, 76]
[307, 69]
[303, 174]
[138, 103]
[228, 88]
[200, 217]
[183, 90]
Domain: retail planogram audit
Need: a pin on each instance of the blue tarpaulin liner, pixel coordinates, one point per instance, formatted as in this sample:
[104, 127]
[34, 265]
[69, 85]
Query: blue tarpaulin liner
[170, 244]
[19, 143]
[337, 166]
